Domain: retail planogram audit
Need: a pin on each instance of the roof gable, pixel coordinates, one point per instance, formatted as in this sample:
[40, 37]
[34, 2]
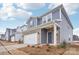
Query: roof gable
[53, 10]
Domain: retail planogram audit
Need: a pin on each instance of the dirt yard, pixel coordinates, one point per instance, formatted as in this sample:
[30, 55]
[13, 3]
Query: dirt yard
[72, 50]
[45, 50]
[37, 50]
[51, 50]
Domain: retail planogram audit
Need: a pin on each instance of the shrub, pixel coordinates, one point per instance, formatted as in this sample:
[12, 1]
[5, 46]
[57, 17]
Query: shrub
[28, 45]
[33, 46]
[38, 46]
[47, 50]
[47, 44]
[49, 47]
[20, 41]
[63, 45]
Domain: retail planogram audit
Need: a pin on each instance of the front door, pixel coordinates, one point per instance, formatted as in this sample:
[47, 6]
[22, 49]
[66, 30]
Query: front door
[49, 37]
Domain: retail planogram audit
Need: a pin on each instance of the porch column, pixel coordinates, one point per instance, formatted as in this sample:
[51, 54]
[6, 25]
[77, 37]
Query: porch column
[55, 31]
[38, 38]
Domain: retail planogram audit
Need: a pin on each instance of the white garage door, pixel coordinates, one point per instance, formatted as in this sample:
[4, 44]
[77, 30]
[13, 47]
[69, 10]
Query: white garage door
[18, 37]
[30, 39]
[12, 39]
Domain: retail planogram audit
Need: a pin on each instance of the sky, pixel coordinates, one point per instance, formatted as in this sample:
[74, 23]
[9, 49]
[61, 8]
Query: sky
[16, 14]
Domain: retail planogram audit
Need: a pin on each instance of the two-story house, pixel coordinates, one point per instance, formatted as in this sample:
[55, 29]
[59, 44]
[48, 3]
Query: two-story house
[18, 34]
[53, 27]
[9, 34]
[2, 36]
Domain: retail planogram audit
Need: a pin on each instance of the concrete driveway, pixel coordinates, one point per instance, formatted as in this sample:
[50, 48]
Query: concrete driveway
[11, 49]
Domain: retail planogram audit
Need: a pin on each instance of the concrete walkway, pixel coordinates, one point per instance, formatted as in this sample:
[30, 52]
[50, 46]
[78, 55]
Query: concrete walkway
[12, 47]
[8, 48]
[3, 51]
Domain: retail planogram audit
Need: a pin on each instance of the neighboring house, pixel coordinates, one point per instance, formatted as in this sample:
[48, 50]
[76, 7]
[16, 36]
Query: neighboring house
[9, 34]
[12, 37]
[75, 38]
[53, 27]
[2, 36]
[18, 35]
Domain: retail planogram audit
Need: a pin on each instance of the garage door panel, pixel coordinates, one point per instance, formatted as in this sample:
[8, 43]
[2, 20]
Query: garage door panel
[12, 39]
[30, 39]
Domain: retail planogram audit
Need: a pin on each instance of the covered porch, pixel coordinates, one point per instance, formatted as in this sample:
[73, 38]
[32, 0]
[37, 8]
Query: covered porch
[49, 35]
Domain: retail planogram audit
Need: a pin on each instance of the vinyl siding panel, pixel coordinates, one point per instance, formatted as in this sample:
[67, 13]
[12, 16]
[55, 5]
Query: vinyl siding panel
[32, 22]
[55, 15]
[65, 29]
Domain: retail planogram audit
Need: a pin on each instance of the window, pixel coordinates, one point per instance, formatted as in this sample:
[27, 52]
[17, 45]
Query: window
[49, 17]
[31, 22]
[58, 28]
[69, 39]
[34, 22]
[44, 19]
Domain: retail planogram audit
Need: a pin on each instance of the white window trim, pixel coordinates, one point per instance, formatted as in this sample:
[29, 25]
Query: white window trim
[44, 18]
[36, 22]
[50, 16]
[60, 13]
[31, 22]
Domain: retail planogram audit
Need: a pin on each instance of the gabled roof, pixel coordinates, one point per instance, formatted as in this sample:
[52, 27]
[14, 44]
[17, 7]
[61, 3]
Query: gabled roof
[23, 26]
[66, 15]
[32, 17]
[53, 10]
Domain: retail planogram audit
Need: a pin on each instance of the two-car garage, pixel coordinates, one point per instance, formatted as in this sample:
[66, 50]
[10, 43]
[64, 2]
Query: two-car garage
[30, 39]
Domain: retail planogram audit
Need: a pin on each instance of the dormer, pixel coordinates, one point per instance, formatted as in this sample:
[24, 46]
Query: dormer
[32, 22]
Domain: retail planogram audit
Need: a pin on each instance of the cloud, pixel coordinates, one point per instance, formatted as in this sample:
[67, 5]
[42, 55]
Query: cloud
[22, 12]
[76, 31]
[8, 11]
[71, 8]
[30, 6]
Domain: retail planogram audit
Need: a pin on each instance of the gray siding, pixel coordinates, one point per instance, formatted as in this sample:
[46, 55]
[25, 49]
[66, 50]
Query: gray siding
[43, 36]
[34, 22]
[65, 29]
[55, 15]
[38, 20]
